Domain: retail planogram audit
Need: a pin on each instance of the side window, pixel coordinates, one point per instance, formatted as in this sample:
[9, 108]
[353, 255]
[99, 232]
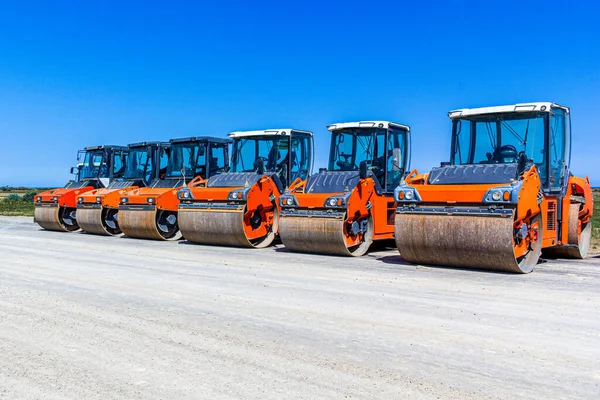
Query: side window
[485, 143]
[163, 162]
[396, 158]
[461, 142]
[198, 153]
[557, 148]
[275, 152]
[100, 165]
[216, 161]
[119, 164]
[343, 151]
[379, 160]
[300, 157]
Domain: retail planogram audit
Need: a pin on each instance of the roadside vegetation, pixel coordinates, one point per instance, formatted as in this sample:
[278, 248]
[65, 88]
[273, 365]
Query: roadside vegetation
[17, 201]
[596, 222]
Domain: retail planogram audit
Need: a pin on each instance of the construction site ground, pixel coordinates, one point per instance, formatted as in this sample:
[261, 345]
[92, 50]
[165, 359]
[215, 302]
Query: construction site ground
[88, 317]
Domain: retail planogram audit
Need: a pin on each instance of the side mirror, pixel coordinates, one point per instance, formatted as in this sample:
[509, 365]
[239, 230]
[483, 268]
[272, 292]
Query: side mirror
[521, 163]
[79, 153]
[363, 170]
[74, 170]
[259, 166]
[397, 159]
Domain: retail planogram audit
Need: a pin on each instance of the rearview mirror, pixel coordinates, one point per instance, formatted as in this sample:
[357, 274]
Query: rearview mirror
[397, 159]
[74, 170]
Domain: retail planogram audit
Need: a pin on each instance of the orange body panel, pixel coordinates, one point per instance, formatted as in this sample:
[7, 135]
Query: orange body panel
[261, 198]
[109, 198]
[529, 203]
[164, 198]
[65, 197]
[383, 208]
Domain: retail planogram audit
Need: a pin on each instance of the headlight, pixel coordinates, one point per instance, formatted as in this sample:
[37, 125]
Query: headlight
[236, 195]
[55, 198]
[39, 198]
[496, 196]
[289, 201]
[335, 202]
[123, 199]
[405, 193]
[184, 194]
[97, 199]
[80, 200]
[150, 200]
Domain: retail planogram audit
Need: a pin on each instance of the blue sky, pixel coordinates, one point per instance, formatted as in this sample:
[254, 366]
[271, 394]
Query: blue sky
[82, 73]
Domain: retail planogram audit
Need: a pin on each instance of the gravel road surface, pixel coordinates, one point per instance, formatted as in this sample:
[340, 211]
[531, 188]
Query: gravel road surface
[87, 317]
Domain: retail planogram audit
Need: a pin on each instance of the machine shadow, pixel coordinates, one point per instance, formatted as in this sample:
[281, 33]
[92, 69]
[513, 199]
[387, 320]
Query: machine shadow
[398, 260]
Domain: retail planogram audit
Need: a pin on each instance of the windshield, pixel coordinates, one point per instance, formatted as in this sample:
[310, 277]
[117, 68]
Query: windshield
[93, 165]
[140, 164]
[187, 158]
[498, 138]
[273, 150]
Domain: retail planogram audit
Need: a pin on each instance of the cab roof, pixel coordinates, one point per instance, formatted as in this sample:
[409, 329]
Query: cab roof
[106, 147]
[268, 132]
[206, 139]
[367, 124]
[542, 106]
[145, 144]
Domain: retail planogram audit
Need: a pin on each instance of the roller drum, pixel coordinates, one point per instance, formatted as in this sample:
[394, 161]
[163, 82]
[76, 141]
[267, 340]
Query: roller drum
[319, 235]
[51, 218]
[222, 228]
[90, 220]
[143, 224]
[482, 242]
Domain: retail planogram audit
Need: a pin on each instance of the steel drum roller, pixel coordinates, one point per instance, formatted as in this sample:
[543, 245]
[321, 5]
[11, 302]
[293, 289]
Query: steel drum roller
[51, 218]
[90, 220]
[482, 242]
[319, 235]
[143, 224]
[218, 227]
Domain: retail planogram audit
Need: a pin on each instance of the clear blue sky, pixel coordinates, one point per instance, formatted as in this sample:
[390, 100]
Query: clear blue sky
[80, 73]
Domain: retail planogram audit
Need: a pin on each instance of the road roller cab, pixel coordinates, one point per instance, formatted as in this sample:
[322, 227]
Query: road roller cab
[97, 210]
[98, 166]
[240, 207]
[342, 210]
[506, 194]
[151, 212]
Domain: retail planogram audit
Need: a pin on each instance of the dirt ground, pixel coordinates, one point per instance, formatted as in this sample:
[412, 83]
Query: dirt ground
[86, 317]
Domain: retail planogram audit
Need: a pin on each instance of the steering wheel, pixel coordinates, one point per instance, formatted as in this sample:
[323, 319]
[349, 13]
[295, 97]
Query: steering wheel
[507, 152]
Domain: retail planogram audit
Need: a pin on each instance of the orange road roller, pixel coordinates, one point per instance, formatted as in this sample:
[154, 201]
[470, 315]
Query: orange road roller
[343, 209]
[151, 212]
[98, 210]
[56, 209]
[240, 207]
[506, 195]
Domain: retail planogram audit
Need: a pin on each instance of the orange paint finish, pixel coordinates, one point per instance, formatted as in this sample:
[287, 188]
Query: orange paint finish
[164, 198]
[65, 197]
[383, 208]
[109, 198]
[262, 198]
[528, 206]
